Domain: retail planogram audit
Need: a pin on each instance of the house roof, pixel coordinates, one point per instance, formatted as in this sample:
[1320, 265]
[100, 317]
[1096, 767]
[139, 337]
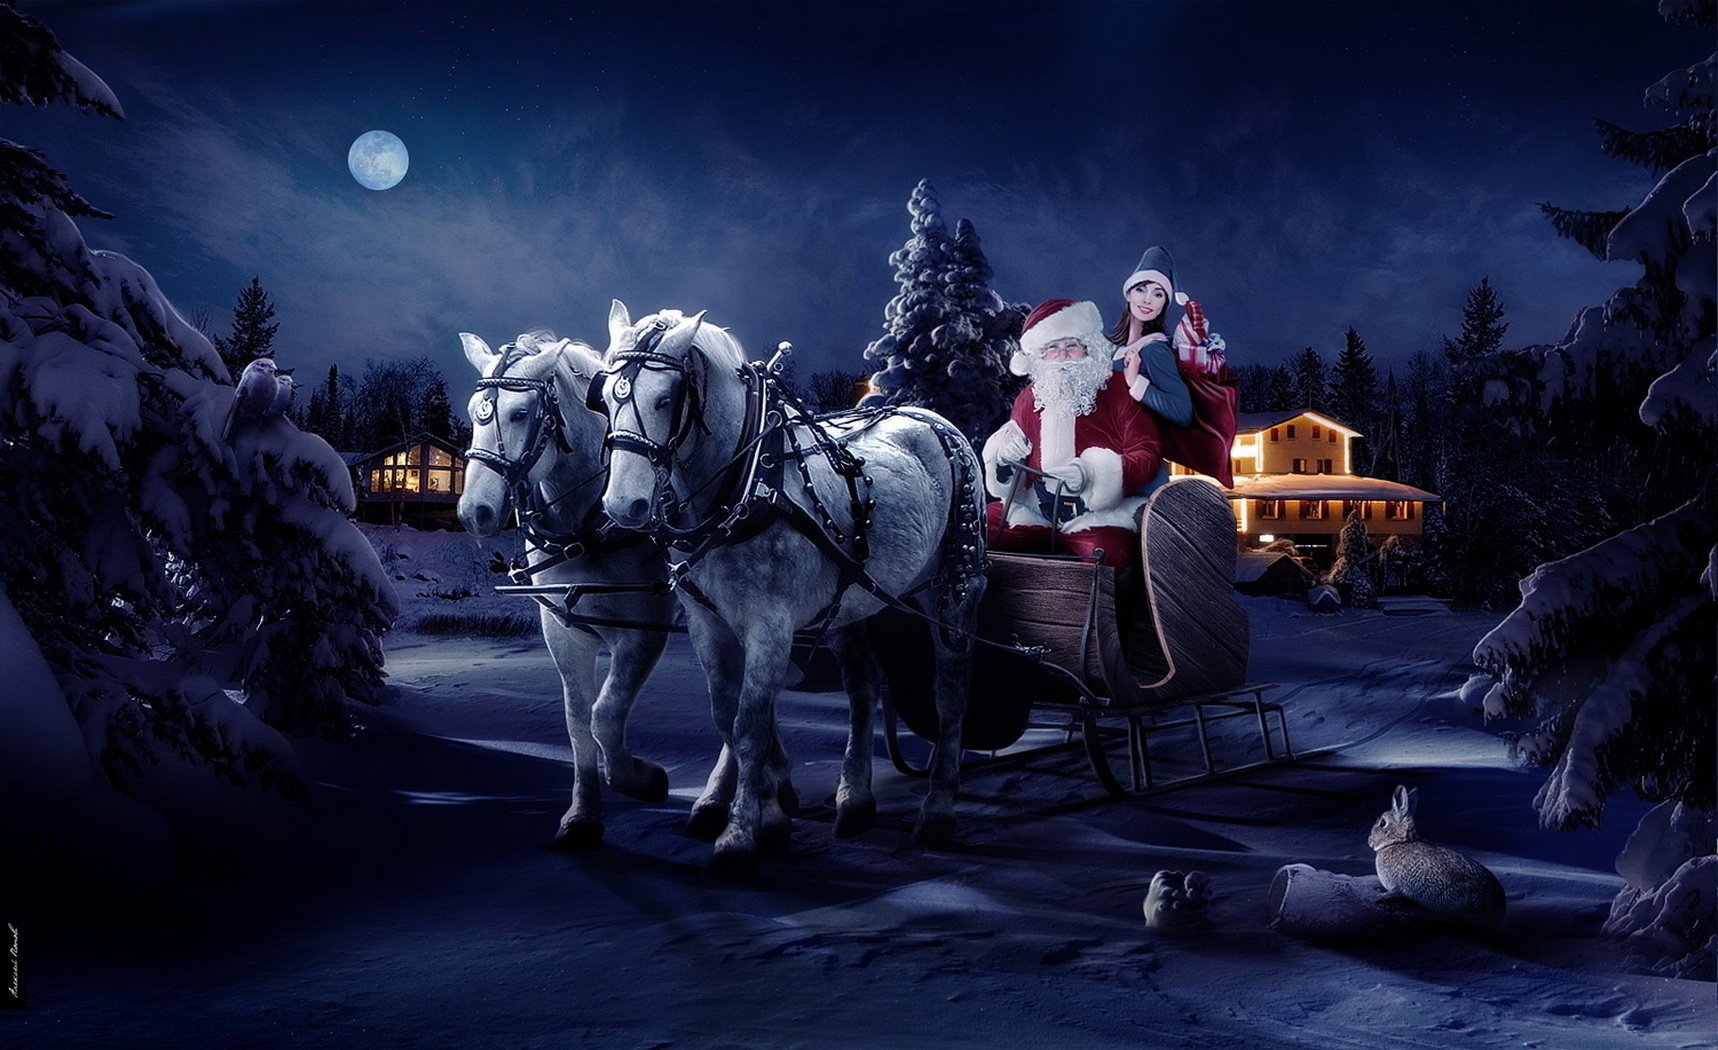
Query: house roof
[355, 458]
[1253, 422]
[1325, 486]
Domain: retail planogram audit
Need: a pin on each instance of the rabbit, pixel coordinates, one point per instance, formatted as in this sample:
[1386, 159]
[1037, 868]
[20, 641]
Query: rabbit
[1176, 901]
[1435, 877]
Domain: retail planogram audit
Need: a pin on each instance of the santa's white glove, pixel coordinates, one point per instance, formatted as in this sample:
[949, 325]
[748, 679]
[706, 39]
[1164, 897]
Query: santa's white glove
[1072, 475]
[1015, 446]
[1215, 344]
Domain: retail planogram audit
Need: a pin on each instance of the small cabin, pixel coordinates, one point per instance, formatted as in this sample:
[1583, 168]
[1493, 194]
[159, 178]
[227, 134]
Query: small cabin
[414, 482]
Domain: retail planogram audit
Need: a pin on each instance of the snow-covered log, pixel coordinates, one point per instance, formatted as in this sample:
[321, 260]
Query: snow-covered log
[1324, 906]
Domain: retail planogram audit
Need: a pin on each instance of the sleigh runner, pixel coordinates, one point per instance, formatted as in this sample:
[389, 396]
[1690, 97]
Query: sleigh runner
[1106, 662]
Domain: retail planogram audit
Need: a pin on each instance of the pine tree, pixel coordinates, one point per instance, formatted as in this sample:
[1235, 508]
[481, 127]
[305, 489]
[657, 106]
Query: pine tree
[947, 336]
[1610, 655]
[1310, 389]
[435, 411]
[146, 565]
[253, 334]
[1354, 384]
[326, 413]
[1352, 571]
[1284, 394]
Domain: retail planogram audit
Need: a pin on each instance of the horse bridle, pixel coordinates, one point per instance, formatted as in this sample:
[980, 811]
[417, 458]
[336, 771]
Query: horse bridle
[620, 382]
[546, 421]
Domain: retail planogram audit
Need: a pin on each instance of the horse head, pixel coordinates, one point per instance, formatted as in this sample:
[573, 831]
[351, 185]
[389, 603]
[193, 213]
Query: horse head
[656, 393]
[527, 423]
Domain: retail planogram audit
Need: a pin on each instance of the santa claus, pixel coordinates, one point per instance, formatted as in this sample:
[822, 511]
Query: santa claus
[1092, 453]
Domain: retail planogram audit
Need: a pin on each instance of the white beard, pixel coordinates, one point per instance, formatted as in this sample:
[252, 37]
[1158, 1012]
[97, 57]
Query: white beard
[1070, 386]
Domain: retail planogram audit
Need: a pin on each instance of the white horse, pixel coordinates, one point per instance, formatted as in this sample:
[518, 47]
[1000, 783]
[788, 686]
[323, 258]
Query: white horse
[535, 447]
[689, 418]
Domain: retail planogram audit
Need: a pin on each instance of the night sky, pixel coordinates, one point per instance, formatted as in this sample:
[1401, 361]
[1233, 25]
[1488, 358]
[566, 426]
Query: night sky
[1311, 167]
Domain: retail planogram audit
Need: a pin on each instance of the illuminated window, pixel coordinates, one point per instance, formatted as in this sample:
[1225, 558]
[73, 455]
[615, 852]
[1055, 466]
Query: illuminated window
[438, 457]
[375, 480]
[1299, 466]
[1395, 510]
[1312, 509]
[438, 481]
[1368, 514]
[1350, 507]
[1270, 508]
[458, 481]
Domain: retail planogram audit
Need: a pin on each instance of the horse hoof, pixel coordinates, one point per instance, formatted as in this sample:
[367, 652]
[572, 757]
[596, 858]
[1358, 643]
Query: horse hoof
[577, 837]
[775, 838]
[707, 822]
[652, 787]
[788, 799]
[854, 818]
[935, 831]
[735, 865]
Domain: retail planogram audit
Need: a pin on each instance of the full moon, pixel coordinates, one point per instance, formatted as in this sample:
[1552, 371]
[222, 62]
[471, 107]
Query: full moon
[378, 159]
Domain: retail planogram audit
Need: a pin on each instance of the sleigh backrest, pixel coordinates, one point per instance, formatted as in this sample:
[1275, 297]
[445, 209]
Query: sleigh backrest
[1188, 634]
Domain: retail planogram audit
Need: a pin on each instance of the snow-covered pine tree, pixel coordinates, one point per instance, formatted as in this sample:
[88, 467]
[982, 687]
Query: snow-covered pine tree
[143, 563]
[1311, 390]
[1610, 655]
[254, 326]
[946, 334]
[1352, 572]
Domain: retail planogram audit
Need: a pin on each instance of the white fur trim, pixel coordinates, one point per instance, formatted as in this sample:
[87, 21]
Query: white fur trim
[1138, 387]
[1080, 321]
[1055, 437]
[1025, 512]
[1103, 477]
[1006, 433]
[1119, 516]
[1021, 363]
[1157, 276]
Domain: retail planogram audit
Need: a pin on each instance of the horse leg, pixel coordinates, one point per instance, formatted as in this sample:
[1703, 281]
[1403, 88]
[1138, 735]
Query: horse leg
[633, 655]
[720, 655]
[575, 655]
[953, 684]
[855, 807]
[755, 819]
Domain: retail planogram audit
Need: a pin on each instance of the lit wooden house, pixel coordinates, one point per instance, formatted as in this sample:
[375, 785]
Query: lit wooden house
[413, 482]
[1294, 479]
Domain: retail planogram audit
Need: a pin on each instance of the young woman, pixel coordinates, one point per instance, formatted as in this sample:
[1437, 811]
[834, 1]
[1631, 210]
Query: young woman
[1175, 369]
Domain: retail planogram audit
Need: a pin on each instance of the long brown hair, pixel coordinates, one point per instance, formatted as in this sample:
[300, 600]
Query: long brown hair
[1118, 334]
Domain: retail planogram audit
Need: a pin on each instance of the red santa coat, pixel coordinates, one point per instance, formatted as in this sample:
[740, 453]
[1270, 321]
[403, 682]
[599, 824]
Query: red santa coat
[1118, 443]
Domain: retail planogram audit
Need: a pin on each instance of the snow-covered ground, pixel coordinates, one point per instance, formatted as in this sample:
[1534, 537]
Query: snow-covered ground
[414, 905]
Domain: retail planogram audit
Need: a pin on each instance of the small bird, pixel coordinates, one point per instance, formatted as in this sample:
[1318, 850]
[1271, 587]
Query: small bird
[285, 387]
[256, 393]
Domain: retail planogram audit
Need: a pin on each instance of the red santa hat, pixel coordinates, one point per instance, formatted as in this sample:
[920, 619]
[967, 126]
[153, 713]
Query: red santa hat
[1056, 319]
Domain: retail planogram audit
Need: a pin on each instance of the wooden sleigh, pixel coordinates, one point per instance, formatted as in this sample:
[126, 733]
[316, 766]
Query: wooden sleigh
[1116, 663]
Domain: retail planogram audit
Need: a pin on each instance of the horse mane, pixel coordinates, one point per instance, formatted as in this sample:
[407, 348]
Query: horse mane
[716, 342]
[574, 359]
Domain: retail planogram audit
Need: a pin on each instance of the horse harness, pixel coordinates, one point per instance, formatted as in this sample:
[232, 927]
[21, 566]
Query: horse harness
[596, 532]
[752, 493]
